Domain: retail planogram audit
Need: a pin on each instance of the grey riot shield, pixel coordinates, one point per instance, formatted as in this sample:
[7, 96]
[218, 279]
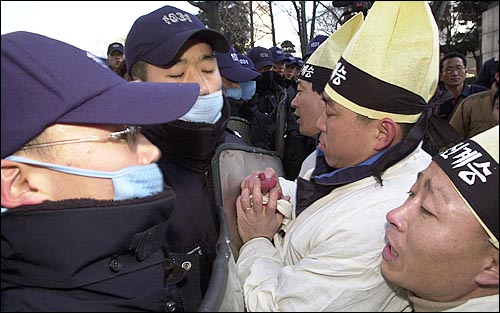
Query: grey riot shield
[231, 164]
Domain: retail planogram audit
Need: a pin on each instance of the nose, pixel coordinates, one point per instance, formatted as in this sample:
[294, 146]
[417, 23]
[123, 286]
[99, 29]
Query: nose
[397, 217]
[194, 76]
[147, 152]
[295, 102]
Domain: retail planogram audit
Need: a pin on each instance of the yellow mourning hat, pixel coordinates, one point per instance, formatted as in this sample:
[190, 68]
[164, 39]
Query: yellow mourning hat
[320, 64]
[390, 67]
[472, 167]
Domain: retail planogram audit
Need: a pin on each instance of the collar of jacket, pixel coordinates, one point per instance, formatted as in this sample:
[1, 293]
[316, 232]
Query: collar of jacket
[188, 143]
[325, 178]
[326, 175]
[74, 243]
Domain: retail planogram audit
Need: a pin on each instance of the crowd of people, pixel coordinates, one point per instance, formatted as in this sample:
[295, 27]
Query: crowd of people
[388, 201]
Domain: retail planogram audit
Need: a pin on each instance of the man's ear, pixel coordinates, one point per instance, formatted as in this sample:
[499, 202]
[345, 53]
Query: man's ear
[387, 132]
[16, 188]
[489, 275]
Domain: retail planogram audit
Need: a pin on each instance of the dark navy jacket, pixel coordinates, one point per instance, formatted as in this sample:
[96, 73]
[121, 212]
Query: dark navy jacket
[89, 255]
[445, 103]
[187, 150]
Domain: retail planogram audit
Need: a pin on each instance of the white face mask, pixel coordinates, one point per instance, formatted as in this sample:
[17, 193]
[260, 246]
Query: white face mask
[207, 109]
[130, 182]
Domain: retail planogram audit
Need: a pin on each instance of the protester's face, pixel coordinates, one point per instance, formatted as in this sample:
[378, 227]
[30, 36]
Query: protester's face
[435, 246]
[290, 71]
[196, 64]
[106, 156]
[344, 138]
[279, 67]
[454, 72]
[308, 106]
[115, 58]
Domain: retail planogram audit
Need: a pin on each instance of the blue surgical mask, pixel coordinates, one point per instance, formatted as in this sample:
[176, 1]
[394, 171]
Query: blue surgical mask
[130, 182]
[248, 89]
[233, 93]
[207, 109]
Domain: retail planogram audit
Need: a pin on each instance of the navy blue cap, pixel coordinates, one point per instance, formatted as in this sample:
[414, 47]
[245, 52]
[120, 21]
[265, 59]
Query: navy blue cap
[261, 57]
[157, 37]
[278, 54]
[46, 81]
[231, 68]
[248, 63]
[116, 46]
[314, 43]
[300, 62]
[290, 59]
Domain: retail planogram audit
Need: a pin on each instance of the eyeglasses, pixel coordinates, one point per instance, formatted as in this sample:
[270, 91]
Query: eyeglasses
[129, 135]
[457, 69]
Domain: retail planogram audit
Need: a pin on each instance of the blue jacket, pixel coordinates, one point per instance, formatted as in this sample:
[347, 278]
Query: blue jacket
[193, 229]
[90, 255]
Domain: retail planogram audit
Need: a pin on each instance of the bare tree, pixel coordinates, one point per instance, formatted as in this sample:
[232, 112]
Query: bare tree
[273, 30]
[328, 19]
[252, 33]
[261, 20]
[300, 11]
[459, 24]
[313, 20]
[325, 20]
[234, 23]
[211, 9]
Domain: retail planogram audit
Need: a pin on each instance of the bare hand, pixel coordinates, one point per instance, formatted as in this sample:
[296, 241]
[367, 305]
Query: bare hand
[255, 218]
[268, 179]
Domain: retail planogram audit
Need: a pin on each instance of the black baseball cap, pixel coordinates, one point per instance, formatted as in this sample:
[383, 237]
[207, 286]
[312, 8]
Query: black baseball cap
[157, 37]
[261, 57]
[116, 46]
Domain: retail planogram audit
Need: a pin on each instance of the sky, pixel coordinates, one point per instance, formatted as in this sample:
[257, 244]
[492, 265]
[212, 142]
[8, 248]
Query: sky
[93, 25]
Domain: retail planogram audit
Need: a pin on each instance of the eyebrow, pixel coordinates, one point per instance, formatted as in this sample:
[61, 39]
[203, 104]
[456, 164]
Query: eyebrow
[436, 191]
[427, 182]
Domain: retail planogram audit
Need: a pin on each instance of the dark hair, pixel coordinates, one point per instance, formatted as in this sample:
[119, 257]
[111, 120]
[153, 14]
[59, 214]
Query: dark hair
[451, 55]
[405, 127]
[138, 71]
[318, 87]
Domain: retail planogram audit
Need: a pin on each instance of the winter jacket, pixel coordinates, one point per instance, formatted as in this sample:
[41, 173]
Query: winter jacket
[90, 255]
[474, 114]
[187, 149]
[444, 103]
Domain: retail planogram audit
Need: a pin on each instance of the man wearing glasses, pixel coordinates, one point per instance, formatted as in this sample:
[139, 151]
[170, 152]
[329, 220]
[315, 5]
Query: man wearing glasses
[84, 206]
[453, 71]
